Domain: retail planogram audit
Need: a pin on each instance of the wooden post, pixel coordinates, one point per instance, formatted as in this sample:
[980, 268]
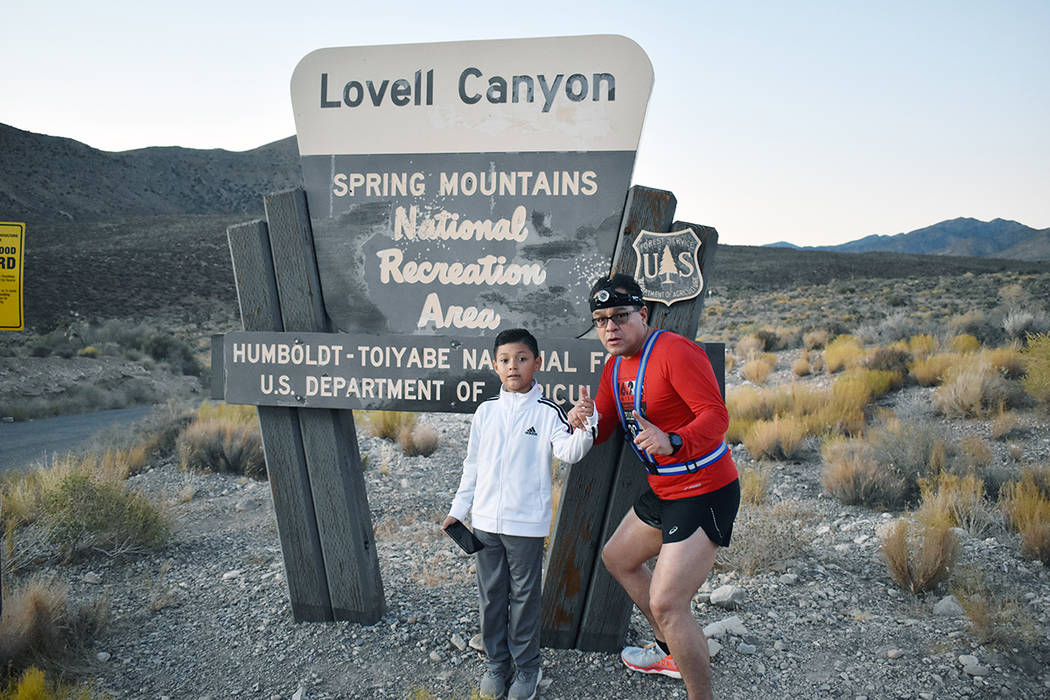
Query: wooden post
[344, 521]
[312, 455]
[282, 442]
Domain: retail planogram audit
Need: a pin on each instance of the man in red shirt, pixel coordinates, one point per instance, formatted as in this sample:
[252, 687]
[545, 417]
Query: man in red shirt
[661, 389]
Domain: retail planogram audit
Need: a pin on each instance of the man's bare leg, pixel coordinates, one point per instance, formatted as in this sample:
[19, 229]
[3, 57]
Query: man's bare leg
[625, 556]
[680, 571]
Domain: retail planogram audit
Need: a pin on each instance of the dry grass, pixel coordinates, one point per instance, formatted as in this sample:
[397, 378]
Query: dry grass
[40, 627]
[750, 346]
[33, 684]
[757, 370]
[843, 352]
[919, 555]
[994, 619]
[220, 445]
[971, 389]
[754, 485]
[964, 343]
[959, 500]
[1037, 375]
[1026, 508]
[922, 345]
[1004, 424]
[854, 477]
[421, 440]
[815, 339]
[779, 438]
[387, 424]
[801, 367]
[931, 370]
[765, 537]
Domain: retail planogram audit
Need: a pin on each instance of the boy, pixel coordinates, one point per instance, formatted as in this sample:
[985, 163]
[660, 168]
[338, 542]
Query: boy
[506, 486]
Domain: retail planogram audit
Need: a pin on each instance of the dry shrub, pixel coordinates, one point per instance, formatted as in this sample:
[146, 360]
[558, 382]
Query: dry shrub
[994, 619]
[388, 424]
[930, 371]
[876, 382]
[421, 440]
[975, 454]
[919, 555]
[1010, 361]
[964, 343]
[778, 438]
[738, 428]
[39, 626]
[750, 346]
[1027, 510]
[893, 359]
[839, 411]
[976, 324]
[228, 412]
[816, 338]
[749, 402]
[83, 514]
[33, 684]
[758, 369]
[1020, 323]
[222, 446]
[971, 389]
[922, 345]
[754, 484]
[843, 352]
[801, 367]
[960, 500]
[854, 477]
[765, 537]
[1037, 375]
[1004, 424]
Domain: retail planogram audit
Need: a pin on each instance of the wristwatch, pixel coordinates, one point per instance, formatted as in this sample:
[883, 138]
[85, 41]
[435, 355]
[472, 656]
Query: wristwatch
[676, 442]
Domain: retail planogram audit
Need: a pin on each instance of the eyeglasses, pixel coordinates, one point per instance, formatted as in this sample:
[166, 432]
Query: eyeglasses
[619, 318]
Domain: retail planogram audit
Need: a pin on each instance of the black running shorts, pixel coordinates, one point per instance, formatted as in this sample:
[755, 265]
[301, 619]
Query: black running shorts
[679, 518]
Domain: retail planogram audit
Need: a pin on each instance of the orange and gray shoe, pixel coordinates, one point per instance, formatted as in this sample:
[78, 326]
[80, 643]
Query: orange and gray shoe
[650, 659]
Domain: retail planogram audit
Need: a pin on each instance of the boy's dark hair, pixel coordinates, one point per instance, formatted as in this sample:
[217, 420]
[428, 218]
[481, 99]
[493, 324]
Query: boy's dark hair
[516, 335]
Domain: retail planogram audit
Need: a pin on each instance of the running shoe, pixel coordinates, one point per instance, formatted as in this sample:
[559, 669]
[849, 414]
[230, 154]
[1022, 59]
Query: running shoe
[494, 684]
[525, 685]
[650, 659]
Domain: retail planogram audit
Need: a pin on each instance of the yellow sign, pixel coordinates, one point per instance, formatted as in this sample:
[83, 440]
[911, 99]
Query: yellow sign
[12, 245]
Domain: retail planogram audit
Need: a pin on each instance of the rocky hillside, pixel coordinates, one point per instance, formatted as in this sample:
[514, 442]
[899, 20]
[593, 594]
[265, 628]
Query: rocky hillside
[50, 179]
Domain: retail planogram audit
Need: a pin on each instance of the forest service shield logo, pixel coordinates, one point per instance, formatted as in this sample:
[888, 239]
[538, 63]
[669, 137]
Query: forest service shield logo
[668, 266]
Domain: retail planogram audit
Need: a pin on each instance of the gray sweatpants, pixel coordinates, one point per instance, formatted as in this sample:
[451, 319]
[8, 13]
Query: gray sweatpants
[510, 573]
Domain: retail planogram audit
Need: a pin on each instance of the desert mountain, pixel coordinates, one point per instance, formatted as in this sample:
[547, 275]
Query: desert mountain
[999, 238]
[51, 179]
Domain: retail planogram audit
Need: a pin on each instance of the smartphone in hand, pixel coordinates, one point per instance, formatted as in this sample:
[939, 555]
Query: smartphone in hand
[464, 537]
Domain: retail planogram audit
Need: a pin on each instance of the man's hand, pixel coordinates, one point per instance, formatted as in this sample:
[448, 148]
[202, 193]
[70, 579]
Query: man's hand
[449, 520]
[650, 438]
[583, 408]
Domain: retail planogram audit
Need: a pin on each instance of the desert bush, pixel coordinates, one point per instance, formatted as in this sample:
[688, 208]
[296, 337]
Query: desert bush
[892, 359]
[1020, 323]
[228, 412]
[931, 370]
[839, 411]
[842, 352]
[816, 338]
[89, 351]
[994, 618]
[972, 389]
[1027, 511]
[1004, 424]
[758, 369]
[959, 500]
[750, 346]
[1037, 375]
[779, 438]
[39, 626]
[766, 536]
[922, 345]
[964, 343]
[801, 367]
[888, 330]
[853, 476]
[875, 382]
[421, 440]
[33, 684]
[975, 454]
[754, 484]
[219, 445]
[919, 555]
[1010, 361]
[83, 514]
[387, 424]
[978, 324]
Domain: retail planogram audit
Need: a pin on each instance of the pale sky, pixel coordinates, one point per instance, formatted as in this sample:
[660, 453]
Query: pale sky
[811, 122]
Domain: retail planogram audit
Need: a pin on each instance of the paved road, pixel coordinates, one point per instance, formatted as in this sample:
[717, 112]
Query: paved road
[23, 443]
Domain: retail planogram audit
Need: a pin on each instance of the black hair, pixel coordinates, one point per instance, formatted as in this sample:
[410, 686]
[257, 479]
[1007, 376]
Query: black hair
[516, 335]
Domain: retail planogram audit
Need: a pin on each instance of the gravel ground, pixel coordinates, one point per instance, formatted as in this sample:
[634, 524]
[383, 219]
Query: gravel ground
[209, 616]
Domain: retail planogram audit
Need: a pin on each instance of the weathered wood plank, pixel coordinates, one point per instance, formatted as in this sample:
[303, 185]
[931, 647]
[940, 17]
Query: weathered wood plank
[344, 520]
[282, 442]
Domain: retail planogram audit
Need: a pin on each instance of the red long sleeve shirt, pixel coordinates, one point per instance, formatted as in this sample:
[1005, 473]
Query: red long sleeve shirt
[679, 395]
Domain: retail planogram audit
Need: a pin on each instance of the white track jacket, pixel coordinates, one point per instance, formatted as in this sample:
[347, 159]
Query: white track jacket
[506, 482]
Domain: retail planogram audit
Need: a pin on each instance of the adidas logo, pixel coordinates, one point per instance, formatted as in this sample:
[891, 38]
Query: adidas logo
[530, 431]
